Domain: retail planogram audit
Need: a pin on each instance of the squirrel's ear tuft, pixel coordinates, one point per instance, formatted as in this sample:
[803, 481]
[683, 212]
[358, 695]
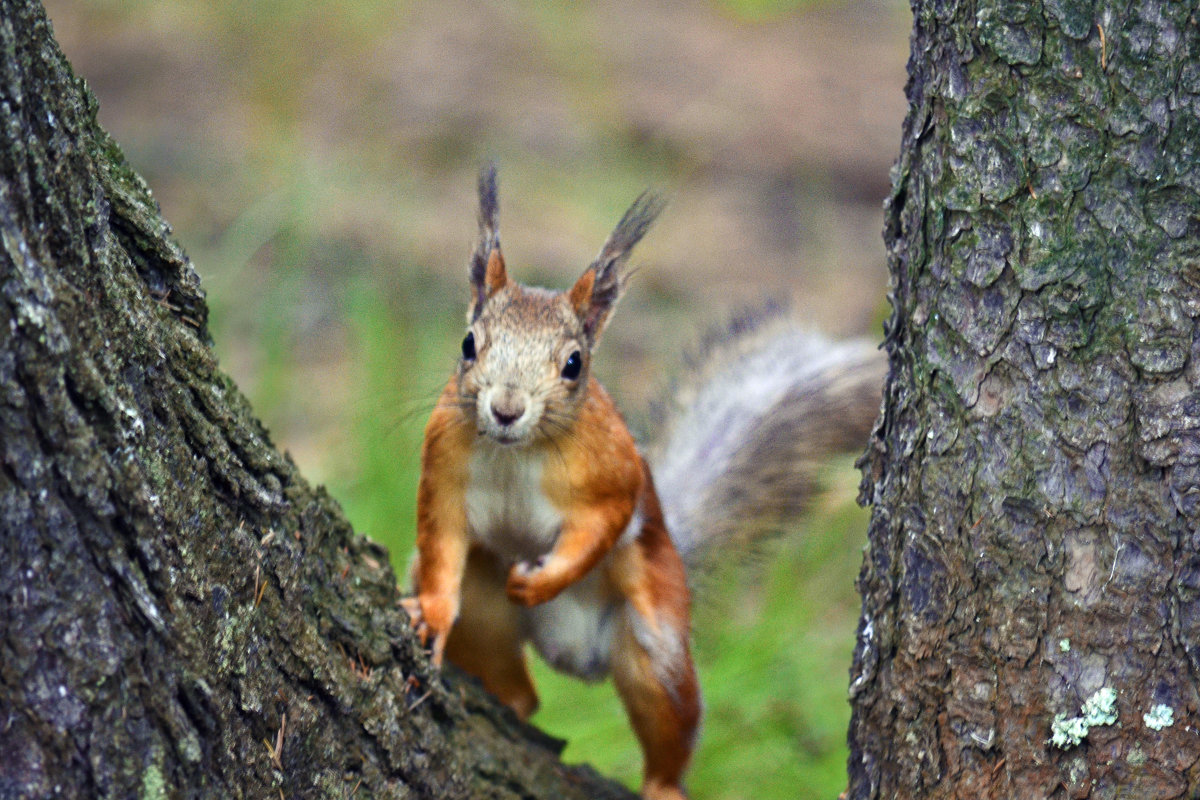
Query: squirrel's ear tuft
[488, 274]
[606, 277]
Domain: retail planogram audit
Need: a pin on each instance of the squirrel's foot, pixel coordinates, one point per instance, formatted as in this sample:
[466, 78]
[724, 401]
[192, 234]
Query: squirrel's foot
[658, 791]
[430, 636]
[533, 583]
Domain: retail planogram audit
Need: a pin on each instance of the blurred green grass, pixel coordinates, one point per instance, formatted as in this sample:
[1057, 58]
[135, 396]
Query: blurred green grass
[773, 637]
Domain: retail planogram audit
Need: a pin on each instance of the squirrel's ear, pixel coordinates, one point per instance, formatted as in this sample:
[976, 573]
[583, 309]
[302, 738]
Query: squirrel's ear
[580, 295]
[597, 291]
[488, 274]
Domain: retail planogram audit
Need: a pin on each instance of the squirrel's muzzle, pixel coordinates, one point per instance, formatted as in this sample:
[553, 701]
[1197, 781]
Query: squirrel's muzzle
[507, 409]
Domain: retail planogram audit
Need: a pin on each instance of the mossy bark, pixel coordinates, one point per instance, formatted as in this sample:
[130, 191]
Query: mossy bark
[1035, 475]
[183, 616]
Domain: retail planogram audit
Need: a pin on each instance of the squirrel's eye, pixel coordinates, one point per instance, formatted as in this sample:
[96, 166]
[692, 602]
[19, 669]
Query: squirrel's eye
[469, 347]
[574, 364]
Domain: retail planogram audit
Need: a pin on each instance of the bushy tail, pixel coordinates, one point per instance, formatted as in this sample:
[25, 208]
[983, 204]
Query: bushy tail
[763, 407]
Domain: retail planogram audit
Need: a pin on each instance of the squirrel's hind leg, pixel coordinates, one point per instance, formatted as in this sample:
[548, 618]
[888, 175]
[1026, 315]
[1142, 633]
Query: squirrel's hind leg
[653, 672]
[487, 640]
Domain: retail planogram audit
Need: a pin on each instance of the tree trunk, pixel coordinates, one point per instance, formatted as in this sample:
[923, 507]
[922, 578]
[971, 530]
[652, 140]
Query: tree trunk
[183, 616]
[1034, 477]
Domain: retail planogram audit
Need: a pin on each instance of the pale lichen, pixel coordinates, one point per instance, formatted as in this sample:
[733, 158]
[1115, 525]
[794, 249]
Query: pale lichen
[1067, 731]
[153, 785]
[1099, 709]
[1160, 716]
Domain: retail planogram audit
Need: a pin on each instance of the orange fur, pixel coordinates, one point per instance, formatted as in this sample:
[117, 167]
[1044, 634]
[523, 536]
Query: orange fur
[598, 480]
[496, 276]
[662, 699]
[580, 295]
[487, 641]
[515, 509]
[595, 481]
[664, 718]
[442, 537]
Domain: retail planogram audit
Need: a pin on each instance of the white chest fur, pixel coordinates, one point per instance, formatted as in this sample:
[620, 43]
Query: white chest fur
[507, 510]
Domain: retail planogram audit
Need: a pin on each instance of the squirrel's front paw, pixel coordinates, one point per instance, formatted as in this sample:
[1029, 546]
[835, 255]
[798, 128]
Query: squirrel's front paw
[431, 619]
[531, 583]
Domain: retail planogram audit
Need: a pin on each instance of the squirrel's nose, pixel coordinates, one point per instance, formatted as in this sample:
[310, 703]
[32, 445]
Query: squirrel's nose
[507, 410]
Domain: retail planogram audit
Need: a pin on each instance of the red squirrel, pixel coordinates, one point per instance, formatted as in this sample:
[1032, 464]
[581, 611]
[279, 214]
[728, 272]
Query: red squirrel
[537, 516]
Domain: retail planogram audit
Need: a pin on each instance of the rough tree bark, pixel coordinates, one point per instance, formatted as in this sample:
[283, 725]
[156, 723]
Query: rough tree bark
[1035, 475]
[183, 616]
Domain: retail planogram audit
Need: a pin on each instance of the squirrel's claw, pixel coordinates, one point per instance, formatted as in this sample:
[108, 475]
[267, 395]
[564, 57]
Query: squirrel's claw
[412, 606]
[437, 649]
[434, 640]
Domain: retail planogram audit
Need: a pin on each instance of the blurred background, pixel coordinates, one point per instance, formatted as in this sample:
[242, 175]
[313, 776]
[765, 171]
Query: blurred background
[318, 163]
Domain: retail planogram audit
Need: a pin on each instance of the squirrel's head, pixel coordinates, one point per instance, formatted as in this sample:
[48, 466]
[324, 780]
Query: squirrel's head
[527, 352]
